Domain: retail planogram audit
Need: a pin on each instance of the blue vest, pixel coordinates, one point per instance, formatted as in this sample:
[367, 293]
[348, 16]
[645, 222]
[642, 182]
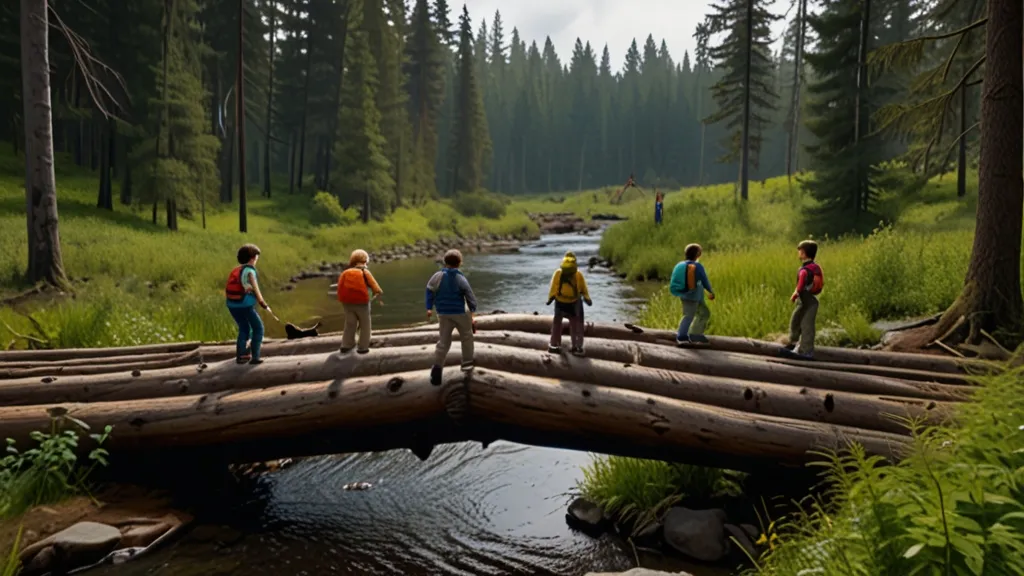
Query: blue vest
[449, 298]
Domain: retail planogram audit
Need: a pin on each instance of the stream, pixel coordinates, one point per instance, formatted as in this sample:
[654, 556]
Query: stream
[465, 511]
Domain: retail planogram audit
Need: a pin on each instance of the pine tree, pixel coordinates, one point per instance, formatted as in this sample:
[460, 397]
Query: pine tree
[443, 21]
[425, 62]
[746, 94]
[843, 171]
[471, 143]
[363, 177]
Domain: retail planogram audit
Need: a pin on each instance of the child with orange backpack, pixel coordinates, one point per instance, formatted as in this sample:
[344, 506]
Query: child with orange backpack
[354, 287]
[243, 294]
[688, 283]
[809, 282]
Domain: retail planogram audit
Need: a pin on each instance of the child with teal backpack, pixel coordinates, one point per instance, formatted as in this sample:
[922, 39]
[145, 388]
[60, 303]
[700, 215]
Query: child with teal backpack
[688, 283]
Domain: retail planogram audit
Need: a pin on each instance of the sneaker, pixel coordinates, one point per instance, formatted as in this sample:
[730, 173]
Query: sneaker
[791, 346]
[346, 350]
[242, 359]
[467, 366]
[682, 341]
[578, 352]
[554, 349]
[256, 361]
[367, 351]
[788, 353]
[435, 375]
[699, 339]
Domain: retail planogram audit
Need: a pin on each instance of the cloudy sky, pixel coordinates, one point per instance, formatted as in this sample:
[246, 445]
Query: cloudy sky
[615, 22]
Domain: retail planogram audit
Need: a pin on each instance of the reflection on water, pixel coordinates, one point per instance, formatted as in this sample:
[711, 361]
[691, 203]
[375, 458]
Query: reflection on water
[467, 510]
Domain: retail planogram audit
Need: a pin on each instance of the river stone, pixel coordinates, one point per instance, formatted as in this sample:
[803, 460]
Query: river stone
[741, 538]
[699, 534]
[639, 572]
[79, 545]
[585, 515]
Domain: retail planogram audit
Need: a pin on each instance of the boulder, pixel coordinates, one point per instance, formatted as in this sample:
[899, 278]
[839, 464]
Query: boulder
[585, 516]
[699, 534]
[639, 572]
[739, 536]
[80, 545]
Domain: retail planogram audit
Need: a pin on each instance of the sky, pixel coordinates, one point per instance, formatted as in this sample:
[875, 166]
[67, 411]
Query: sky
[615, 22]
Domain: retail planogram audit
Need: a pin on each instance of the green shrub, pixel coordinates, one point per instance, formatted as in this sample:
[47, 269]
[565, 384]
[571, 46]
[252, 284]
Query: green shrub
[480, 203]
[50, 472]
[637, 491]
[327, 210]
[954, 505]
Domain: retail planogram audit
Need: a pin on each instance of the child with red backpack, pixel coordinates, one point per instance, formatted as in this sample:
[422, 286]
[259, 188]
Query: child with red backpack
[809, 282]
[354, 287]
[688, 283]
[243, 294]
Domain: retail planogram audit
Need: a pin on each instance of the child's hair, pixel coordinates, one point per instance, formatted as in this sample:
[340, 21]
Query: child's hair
[453, 258]
[247, 253]
[693, 251]
[810, 248]
[358, 257]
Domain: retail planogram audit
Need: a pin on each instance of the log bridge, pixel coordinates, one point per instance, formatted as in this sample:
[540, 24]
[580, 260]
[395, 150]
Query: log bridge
[734, 403]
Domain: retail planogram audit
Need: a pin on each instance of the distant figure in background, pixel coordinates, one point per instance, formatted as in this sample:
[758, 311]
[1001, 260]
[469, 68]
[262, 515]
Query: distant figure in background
[688, 283]
[450, 292]
[659, 206]
[243, 293]
[568, 291]
[354, 287]
[630, 183]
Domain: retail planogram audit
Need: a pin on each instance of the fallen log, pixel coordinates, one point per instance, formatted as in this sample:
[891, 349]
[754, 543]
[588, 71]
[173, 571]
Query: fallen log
[840, 408]
[542, 325]
[732, 365]
[68, 353]
[115, 364]
[906, 374]
[557, 408]
[282, 411]
[90, 361]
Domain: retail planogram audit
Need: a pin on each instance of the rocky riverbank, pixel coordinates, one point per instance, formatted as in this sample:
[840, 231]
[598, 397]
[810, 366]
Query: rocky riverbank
[704, 535]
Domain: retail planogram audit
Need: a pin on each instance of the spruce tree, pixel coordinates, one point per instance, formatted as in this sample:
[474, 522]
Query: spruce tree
[843, 166]
[363, 177]
[425, 65]
[471, 143]
[745, 94]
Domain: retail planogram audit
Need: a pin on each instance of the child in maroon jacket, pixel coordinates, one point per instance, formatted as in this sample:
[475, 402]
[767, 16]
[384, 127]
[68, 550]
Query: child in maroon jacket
[809, 282]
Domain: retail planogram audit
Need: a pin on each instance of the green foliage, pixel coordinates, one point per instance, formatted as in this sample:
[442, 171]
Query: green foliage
[471, 141]
[480, 203]
[50, 472]
[425, 69]
[638, 492]
[954, 505]
[327, 210]
[12, 564]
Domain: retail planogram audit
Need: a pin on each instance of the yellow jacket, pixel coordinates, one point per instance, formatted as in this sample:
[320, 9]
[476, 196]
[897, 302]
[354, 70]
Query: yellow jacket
[565, 293]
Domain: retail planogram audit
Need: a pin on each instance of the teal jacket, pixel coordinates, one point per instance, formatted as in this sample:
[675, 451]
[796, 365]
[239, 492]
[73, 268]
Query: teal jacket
[677, 285]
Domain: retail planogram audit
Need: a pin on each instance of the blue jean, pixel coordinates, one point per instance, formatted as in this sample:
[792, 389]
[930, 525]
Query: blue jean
[249, 324]
[695, 318]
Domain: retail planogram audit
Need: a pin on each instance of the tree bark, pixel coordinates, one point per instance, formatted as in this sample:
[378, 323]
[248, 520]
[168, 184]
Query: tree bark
[861, 115]
[243, 224]
[745, 152]
[961, 164]
[270, 103]
[45, 262]
[305, 108]
[106, 191]
[991, 297]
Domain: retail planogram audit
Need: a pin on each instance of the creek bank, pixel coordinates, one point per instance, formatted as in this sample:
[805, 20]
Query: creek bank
[120, 524]
[567, 222]
[705, 535]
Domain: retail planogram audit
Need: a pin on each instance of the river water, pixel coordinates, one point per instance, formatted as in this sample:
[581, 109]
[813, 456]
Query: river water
[465, 511]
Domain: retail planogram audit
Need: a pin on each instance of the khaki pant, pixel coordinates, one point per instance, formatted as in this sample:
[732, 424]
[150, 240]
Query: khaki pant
[356, 315]
[695, 318]
[448, 323]
[801, 324]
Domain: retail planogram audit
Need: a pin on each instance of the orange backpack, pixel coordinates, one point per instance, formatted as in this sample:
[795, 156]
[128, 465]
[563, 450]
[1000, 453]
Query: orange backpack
[234, 290]
[353, 287]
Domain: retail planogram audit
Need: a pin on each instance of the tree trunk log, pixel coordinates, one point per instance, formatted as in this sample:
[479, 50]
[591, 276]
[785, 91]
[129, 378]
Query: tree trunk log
[925, 362]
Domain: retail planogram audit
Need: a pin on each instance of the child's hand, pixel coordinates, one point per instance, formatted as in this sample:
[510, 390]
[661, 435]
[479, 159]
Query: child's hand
[429, 314]
[550, 300]
[589, 302]
[794, 297]
[711, 296]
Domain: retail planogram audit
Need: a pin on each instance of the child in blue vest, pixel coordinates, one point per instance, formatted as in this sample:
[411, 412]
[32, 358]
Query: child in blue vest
[659, 206]
[809, 282]
[688, 283]
[450, 292]
[243, 294]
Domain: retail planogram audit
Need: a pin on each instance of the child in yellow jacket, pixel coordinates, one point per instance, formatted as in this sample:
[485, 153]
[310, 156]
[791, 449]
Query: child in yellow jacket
[568, 292]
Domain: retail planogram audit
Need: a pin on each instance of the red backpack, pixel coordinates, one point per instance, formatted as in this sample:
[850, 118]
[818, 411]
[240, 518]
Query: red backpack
[234, 290]
[815, 278]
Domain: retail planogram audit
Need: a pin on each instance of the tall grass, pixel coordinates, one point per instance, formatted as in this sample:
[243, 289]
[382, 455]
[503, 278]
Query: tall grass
[637, 492]
[953, 506]
[11, 564]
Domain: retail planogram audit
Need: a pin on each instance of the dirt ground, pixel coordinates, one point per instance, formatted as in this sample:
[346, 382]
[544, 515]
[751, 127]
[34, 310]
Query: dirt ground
[116, 503]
